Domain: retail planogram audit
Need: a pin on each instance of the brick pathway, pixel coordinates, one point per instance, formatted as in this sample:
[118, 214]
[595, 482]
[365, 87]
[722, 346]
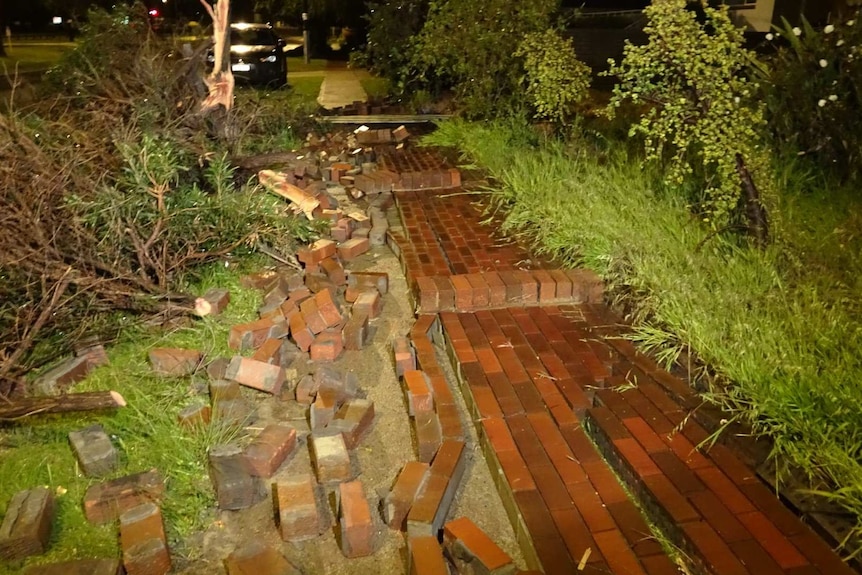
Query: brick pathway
[547, 378]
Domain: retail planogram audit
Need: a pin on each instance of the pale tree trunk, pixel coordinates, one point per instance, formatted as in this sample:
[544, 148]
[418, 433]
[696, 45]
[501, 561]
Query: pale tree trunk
[220, 81]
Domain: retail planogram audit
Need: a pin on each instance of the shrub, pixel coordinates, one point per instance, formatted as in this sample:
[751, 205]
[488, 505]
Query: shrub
[554, 77]
[470, 47]
[391, 27]
[814, 93]
[699, 110]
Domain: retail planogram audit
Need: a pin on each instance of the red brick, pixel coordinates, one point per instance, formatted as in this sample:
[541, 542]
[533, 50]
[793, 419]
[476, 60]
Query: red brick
[148, 557]
[316, 252]
[496, 289]
[634, 528]
[428, 435]
[255, 557]
[256, 374]
[405, 356]
[269, 450]
[252, 335]
[312, 316]
[328, 308]
[194, 416]
[27, 524]
[299, 512]
[547, 287]
[670, 499]
[683, 478]
[331, 459]
[617, 553]
[481, 294]
[174, 362]
[354, 419]
[334, 271]
[368, 302]
[426, 556]
[327, 346]
[419, 397]
[718, 556]
[463, 293]
[398, 501]
[645, 435]
[529, 287]
[357, 527]
[726, 491]
[820, 554]
[353, 248]
[577, 537]
[300, 332]
[432, 504]
[773, 541]
[590, 506]
[141, 523]
[356, 331]
[104, 502]
[466, 541]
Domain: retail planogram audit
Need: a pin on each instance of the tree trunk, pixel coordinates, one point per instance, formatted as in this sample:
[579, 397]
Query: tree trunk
[755, 213]
[89, 401]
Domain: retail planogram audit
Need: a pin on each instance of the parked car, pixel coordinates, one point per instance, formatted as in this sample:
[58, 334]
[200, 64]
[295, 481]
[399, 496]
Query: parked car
[257, 55]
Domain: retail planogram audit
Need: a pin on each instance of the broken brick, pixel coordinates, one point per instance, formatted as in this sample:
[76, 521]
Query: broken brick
[470, 545]
[434, 499]
[299, 514]
[369, 280]
[323, 409]
[334, 270]
[300, 332]
[428, 435]
[104, 502]
[426, 556]
[354, 419]
[96, 454]
[327, 346]
[252, 335]
[356, 331]
[305, 390]
[405, 356]
[316, 252]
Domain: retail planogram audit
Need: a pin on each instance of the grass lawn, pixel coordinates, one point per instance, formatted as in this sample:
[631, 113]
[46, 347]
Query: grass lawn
[305, 87]
[780, 327]
[298, 65]
[28, 58]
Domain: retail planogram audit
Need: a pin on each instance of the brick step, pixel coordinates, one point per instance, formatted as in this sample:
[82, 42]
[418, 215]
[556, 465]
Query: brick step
[711, 504]
[492, 290]
[567, 508]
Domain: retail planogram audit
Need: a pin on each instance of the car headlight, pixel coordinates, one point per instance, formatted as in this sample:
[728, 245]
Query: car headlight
[270, 58]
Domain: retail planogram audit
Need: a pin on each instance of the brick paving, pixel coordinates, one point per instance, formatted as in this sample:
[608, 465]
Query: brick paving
[573, 444]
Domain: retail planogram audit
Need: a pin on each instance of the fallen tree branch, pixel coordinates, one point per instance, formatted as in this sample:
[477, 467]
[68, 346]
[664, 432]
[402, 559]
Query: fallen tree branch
[89, 401]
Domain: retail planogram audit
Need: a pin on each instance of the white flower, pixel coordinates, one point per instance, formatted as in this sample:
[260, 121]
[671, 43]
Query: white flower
[797, 32]
[829, 29]
[770, 36]
[839, 43]
[736, 100]
[833, 98]
[851, 22]
[823, 63]
[821, 103]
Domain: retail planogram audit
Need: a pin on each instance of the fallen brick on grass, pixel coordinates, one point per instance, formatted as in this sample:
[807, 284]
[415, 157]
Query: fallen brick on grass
[27, 524]
[174, 362]
[104, 502]
[96, 455]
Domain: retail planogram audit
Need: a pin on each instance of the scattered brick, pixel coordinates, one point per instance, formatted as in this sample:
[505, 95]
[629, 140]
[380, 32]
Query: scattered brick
[252, 335]
[104, 502]
[77, 567]
[353, 248]
[194, 416]
[300, 332]
[327, 346]
[405, 356]
[357, 527]
[317, 282]
[334, 270]
[299, 514]
[150, 557]
[353, 420]
[426, 557]
[419, 397]
[96, 455]
[262, 280]
[224, 390]
[269, 352]
[322, 410]
[329, 308]
[217, 367]
[306, 390]
[140, 524]
[213, 302]
[398, 501]
[368, 302]
[356, 331]
[174, 362]
[469, 544]
[369, 280]
[256, 374]
[235, 486]
[269, 450]
[331, 459]
[428, 435]
[26, 527]
[255, 558]
[316, 252]
[432, 504]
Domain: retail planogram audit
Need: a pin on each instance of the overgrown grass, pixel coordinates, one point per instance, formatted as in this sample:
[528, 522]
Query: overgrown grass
[37, 451]
[31, 57]
[297, 64]
[780, 327]
[376, 88]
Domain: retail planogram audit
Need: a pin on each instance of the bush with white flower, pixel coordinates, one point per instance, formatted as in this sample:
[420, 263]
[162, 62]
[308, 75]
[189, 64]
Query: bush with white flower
[814, 93]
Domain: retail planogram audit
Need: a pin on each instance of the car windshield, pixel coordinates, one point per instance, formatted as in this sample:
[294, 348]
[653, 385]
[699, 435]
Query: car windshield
[252, 37]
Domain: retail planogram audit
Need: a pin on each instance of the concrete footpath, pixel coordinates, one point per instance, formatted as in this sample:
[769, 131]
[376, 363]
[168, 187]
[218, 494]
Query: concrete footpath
[341, 86]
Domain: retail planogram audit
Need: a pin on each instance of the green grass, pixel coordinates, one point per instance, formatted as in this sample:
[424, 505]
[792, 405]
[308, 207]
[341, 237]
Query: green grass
[28, 58]
[37, 452]
[376, 88]
[299, 65]
[306, 87]
[780, 327]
